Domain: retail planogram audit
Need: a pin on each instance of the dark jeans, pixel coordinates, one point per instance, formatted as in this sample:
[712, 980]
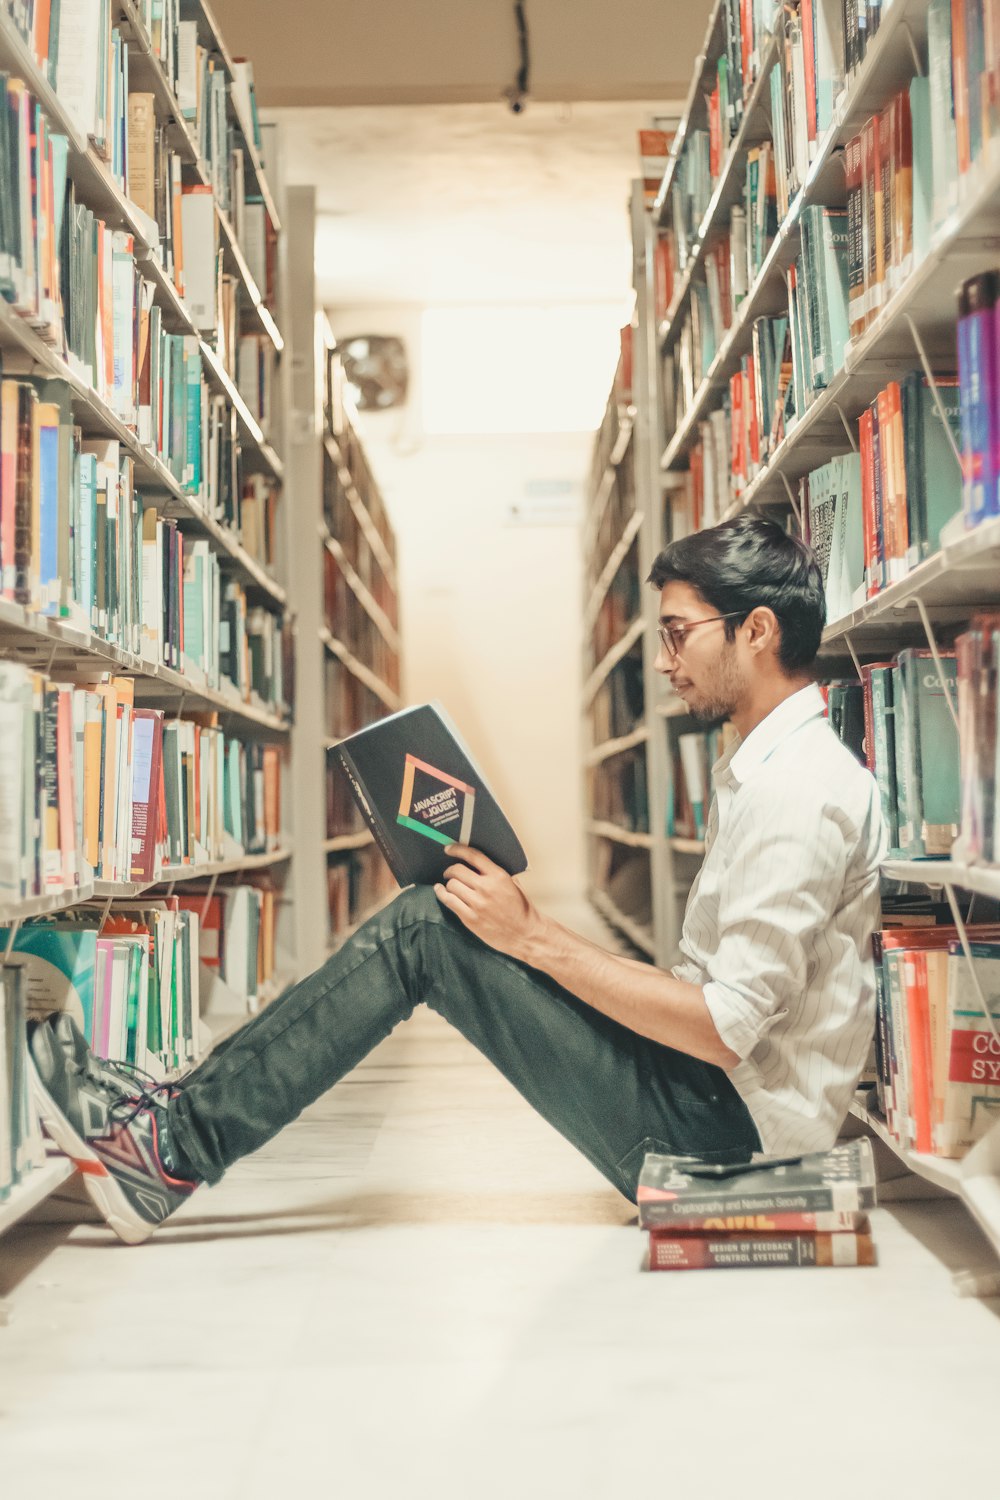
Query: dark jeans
[612, 1093]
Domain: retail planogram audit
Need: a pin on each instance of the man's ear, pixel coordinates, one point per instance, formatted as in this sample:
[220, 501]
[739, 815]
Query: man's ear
[764, 630]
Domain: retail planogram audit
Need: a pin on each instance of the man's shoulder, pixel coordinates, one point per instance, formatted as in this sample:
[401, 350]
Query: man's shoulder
[813, 771]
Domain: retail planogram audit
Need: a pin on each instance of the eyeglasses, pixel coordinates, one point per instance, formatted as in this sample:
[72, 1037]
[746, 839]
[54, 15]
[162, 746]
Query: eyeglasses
[674, 636]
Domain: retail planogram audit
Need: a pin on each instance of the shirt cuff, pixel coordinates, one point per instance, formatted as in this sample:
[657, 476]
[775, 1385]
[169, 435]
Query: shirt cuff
[734, 1020]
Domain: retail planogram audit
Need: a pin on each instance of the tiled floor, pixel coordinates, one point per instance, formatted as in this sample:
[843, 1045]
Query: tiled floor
[419, 1290]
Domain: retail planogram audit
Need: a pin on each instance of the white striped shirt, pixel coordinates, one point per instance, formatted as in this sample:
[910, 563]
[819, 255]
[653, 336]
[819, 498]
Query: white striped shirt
[778, 924]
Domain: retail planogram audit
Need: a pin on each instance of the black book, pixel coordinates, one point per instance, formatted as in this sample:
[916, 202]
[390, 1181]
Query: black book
[420, 790]
[676, 1188]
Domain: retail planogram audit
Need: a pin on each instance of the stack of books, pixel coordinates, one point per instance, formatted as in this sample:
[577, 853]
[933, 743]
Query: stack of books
[783, 1211]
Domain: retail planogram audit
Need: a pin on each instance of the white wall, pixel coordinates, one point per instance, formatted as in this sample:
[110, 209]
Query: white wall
[490, 608]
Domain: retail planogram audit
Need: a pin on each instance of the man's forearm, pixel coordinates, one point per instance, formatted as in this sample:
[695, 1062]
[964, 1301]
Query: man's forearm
[639, 996]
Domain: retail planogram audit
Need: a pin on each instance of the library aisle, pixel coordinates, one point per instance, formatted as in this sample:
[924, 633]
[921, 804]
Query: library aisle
[384, 1300]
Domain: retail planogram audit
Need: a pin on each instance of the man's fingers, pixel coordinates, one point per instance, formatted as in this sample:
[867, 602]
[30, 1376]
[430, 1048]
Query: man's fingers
[465, 873]
[452, 902]
[473, 857]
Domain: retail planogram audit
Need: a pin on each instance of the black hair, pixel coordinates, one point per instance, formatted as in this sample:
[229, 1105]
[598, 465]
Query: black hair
[746, 562]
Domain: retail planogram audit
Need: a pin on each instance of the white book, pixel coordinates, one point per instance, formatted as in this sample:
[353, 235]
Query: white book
[201, 242]
[79, 73]
[187, 69]
[15, 705]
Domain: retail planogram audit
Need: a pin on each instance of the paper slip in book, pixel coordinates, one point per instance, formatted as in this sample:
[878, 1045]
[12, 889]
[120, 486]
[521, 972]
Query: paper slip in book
[420, 791]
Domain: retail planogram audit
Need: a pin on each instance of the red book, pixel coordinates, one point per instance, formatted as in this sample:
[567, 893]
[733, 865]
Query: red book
[751, 396]
[746, 42]
[809, 61]
[714, 134]
[663, 276]
[918, 1025]
[697, 1252]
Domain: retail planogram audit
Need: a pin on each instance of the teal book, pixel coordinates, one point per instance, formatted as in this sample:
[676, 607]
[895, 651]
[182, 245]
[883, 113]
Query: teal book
[923, 167]
[933, 476]
[59, 962]
[927, 755]
[884, 749]
[193, 395]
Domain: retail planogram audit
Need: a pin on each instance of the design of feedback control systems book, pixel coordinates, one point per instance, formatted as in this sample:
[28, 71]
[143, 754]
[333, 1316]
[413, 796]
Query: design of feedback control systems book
[420, 790]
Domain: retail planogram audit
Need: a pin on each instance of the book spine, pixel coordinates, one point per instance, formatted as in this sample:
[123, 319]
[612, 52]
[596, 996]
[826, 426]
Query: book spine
[827, 1221]
[372, 817]
[719, 1253]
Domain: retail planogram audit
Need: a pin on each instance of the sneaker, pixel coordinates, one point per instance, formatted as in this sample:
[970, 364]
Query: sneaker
[111, 1127]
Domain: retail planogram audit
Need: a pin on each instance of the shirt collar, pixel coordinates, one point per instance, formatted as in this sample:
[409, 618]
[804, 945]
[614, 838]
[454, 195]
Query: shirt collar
[745, 757]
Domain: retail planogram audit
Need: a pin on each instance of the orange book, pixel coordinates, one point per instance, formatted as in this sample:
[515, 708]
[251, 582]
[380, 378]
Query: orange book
[886, 474]
[918, 1027]
[873, 570]
[42, 26]
[809, 61]
[960, 84]
[900, 522]
[92, 780]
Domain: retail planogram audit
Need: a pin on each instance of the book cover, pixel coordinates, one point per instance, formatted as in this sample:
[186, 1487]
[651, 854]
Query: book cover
[420, 790]
[697, 1252]
[841, 1180]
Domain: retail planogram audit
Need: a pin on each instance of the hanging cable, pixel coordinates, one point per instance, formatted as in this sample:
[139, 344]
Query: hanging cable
[517, 94]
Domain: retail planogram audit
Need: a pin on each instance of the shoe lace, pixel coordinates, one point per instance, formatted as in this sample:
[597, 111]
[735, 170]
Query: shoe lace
[146, 1098]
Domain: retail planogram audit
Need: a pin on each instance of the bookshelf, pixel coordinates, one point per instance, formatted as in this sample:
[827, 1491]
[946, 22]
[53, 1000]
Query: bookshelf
[703, 338]
[345, 584]
[143, 476]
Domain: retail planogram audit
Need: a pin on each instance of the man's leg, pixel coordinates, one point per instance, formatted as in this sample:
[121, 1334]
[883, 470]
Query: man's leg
[610, 1092]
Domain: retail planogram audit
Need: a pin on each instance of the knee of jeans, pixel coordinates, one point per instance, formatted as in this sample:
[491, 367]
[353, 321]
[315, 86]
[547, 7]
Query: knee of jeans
[417, 902]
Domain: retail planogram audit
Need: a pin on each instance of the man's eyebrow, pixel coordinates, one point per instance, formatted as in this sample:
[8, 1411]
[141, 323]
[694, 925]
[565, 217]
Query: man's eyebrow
[666, 619]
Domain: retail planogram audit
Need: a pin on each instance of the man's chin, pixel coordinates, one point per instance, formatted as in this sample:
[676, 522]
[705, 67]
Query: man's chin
[707, 713]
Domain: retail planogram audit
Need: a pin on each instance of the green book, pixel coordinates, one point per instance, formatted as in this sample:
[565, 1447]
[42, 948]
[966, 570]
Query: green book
[59, 963]
[923, 167]
[927, 760]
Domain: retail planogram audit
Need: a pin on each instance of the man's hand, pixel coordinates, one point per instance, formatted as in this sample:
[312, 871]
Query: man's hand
[488, 901]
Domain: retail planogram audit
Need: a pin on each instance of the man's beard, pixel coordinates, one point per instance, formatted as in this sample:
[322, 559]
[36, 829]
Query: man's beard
[719, 698]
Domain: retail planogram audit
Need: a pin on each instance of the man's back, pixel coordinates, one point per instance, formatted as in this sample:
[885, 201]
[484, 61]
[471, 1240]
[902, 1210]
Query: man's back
[779, 922]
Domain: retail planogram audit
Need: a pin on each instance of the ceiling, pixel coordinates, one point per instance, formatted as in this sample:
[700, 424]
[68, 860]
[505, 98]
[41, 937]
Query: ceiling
[332, 52]
[456, 203]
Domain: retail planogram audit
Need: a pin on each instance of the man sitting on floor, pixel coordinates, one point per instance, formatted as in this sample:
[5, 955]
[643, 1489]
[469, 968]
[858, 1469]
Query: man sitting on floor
[754, 1042]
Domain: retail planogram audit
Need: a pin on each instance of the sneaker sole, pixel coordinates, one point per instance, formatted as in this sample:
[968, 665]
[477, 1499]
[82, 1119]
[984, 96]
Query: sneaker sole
[104, 1191]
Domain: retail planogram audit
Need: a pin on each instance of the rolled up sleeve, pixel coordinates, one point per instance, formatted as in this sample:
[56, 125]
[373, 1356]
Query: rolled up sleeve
[778, 892]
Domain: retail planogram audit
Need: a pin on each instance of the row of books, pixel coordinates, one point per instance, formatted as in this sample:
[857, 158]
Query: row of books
[357, 883]
[79, 543]
[349, 703]
[352, 624]
[619, 508]
[693, 754]
[619, 607]
[619, 792]
[129, 979]
[22, 1148]
[237, 933]
[98, 787]
[356, 461]
[345, 524]
[912, 750]
[619, 704]
[938, 1035]
[343, 816]
[79, 279]
[86, 60]
[808, 1212]
[623, 875]
[902, 171]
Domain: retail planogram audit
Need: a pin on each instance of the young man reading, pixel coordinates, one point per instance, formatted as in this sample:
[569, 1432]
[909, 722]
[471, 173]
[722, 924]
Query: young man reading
[754, 1042]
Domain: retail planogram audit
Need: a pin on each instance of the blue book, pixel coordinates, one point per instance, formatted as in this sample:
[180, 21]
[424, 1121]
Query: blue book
[60, 961]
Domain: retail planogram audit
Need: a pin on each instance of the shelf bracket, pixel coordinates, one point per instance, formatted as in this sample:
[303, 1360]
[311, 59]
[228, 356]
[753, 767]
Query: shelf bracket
[854, 657]
[11, 936]
[793, 502]
[51, 661]
[918, 66]
[180, 705]
[963, 938]
[105, 914]
[847, 427]
[932, 642]
[928, 371]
